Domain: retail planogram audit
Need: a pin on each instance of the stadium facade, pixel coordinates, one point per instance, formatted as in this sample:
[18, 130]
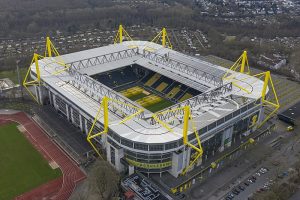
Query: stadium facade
[146, 75]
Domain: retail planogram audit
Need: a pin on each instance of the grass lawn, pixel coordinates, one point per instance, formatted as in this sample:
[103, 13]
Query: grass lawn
[13, 75]
[136, 97]
[22, 168]
[159, 106]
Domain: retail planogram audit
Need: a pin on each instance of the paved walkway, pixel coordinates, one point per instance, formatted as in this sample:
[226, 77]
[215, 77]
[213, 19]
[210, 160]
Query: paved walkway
[61, 188]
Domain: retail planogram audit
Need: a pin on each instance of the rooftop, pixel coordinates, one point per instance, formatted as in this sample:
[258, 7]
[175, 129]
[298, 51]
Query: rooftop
[219, 98]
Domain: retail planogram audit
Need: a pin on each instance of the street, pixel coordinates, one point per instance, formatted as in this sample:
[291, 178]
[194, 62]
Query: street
[280, 146]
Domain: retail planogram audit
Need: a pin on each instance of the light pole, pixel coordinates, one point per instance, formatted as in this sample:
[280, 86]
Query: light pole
[19, 78]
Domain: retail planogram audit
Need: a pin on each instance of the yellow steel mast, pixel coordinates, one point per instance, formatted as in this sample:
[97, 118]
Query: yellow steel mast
[163, 36]
[266, 76]
[50, 48]
[121, 34]
[36, 82]
[242, 66]
[187, 118]
[50, 51]
[104, 106]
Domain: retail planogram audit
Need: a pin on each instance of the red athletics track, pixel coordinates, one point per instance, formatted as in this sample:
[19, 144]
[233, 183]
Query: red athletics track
[61, 188]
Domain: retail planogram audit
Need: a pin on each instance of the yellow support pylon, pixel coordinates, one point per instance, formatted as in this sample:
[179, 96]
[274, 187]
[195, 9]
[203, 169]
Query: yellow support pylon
[165, 40]
[267, 79]
[27, 82]
[273, 105]
[186, 119]
[51, 51]
[104, 107]
[121, 34]
[90, 136]
[50, 48]
[241, 65]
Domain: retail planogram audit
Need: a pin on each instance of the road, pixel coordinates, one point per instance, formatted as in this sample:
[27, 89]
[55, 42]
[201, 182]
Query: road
[286, 154]
[220, 184]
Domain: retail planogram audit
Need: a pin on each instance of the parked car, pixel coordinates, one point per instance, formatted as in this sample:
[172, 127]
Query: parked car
[263, 170]
[241, 188]
[235, 191]
[229, 198]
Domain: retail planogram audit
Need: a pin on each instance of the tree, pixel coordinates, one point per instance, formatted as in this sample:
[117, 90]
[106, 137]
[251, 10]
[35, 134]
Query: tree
[102, 183]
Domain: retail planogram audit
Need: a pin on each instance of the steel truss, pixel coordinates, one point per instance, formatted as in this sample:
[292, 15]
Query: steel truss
[164, 38]
[97, 91]
[241, 65]
[102, 59]
[274, 106]
[182, 67]
[121, 34]
[105, 105]
[50, 50]
[27, 82]
[204, 98]
[185, 114]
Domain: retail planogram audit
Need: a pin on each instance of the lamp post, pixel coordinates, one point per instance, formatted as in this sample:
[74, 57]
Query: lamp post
[19, 78]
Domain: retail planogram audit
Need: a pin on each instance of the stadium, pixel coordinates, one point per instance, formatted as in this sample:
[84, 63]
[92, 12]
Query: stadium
[149, 108]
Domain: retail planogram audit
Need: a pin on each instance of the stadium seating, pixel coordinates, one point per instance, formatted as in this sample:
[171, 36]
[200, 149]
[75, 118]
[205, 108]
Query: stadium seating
[153, 91]
[173, 92]
[185, 97]
[149, 100]
[117, 78]
[161, 86]
[153, 79]
[132, 91]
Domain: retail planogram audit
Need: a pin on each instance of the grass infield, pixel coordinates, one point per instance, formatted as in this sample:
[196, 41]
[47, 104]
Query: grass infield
[137, 96]
[22, 168]
[164, 103]
[160, 105]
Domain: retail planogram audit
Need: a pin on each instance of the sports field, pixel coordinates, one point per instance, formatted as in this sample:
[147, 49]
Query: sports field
[22, 168]
[159, 106]
[146, 98]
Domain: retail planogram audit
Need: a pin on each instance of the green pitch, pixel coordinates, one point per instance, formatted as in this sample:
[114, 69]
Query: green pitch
[160, 105]
[22, 168]
[163, 103]
[136, 97]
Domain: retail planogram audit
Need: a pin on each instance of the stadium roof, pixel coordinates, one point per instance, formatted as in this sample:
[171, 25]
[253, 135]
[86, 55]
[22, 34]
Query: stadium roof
[85, 93]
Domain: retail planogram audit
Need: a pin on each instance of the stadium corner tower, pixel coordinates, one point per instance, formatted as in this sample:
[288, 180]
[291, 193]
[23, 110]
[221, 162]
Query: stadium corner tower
[159, 81]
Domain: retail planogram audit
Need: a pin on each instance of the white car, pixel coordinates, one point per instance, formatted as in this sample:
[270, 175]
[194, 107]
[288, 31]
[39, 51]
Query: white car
[263, 170]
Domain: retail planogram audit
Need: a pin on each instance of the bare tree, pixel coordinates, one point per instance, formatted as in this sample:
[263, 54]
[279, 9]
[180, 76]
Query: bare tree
[102, 183]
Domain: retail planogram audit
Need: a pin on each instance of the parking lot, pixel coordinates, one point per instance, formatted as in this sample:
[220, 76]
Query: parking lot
[277, 152]
[275, 169]
[258, 181]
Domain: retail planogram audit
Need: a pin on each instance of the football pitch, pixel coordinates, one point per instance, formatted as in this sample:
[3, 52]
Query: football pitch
[159, 106]
[146, 99]
[22, 167]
